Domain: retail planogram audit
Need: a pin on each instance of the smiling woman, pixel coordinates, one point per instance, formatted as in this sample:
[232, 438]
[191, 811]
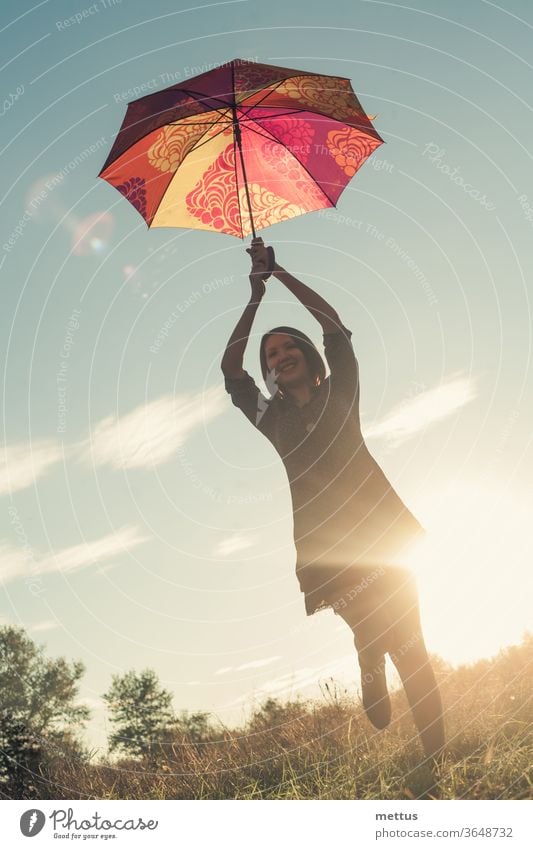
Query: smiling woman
[293, 361]
[351, 529]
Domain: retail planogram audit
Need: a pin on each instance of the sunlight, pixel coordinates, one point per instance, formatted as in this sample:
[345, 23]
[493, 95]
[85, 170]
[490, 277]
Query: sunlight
[474, 569]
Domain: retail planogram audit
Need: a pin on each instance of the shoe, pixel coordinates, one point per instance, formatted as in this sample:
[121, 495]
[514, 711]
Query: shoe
[376, 701]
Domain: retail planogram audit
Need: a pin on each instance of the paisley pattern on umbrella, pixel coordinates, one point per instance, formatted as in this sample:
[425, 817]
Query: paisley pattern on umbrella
[324, 94]
[267, 207]
[145, 115]
[296, 135]
[134, 190]
[215, 203]
[249, 78]
[177, 140]
[349, 148]
[214, 199]
[172, 146]
[289, 169]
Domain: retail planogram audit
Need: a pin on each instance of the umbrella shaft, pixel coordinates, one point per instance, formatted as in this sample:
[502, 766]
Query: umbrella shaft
[238, 139]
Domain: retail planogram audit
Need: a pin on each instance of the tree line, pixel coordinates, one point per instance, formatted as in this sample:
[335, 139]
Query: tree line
[41, 717]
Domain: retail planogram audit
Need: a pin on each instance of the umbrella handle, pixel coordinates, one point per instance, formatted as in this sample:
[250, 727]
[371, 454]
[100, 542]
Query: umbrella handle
[271, 258]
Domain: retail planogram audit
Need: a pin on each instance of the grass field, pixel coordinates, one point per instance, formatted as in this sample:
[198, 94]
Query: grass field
[327, 749]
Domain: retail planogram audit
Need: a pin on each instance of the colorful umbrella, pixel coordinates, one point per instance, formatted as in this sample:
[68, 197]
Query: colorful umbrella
[240, 148]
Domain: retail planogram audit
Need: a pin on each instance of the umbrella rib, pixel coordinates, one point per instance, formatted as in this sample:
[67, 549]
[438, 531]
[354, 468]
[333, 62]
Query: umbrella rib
[197, 94]
[195, 147]
[277, 141]
[244, 120]
[153, 130]
[272, 90]
[279, 115]
[201, 143]
[314, 110]
[269, 92]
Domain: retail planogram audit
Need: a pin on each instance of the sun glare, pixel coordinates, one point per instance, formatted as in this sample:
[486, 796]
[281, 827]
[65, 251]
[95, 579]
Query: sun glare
[474, 570]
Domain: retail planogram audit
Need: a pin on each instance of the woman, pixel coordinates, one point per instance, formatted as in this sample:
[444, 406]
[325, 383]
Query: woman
[350, 526]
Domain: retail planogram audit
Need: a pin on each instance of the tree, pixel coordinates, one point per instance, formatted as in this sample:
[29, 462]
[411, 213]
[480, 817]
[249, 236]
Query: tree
[141, 711]
[196, 726]
[37, 708]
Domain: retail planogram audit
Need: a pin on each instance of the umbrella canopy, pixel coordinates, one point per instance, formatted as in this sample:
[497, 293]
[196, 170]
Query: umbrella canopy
[240, 147]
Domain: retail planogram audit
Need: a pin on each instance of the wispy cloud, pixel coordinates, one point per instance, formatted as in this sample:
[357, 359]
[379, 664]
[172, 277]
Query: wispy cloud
[230, 545]
[151, 433]
[256, 664]
[45, 625]
[96, 552]
[224, 670]
[292, 681]
[299, 682]
[16, 563]
[147, 436]
[426, 408]
[22, 464]
[252, 664]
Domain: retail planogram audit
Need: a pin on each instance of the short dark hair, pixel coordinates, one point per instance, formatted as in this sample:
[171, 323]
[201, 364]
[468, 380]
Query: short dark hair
[314, 361]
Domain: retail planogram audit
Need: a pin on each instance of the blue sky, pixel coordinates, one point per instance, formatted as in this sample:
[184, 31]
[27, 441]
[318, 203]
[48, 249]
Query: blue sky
[143, 523]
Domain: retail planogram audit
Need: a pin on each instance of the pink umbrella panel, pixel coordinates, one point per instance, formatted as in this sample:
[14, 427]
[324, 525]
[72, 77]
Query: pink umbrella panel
[302, 137]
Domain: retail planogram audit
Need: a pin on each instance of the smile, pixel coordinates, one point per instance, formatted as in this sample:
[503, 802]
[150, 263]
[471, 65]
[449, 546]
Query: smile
[288, 366]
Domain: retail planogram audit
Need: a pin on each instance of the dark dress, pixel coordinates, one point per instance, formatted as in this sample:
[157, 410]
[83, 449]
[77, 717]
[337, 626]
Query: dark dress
[348, 519]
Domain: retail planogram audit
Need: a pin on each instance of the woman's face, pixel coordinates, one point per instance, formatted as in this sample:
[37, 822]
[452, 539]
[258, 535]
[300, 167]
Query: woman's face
[285, 359]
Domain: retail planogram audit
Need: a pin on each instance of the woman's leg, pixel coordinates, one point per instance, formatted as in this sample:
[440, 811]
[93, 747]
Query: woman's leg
[423, 694]
[370, 638]
[409, 654]
[385, 618]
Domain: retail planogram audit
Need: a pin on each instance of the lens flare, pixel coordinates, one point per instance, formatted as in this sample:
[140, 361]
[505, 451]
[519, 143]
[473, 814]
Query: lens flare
[92, 234]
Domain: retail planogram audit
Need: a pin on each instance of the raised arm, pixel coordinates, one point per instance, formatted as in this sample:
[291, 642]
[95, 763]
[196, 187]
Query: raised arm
[324, 313]
[232, 360]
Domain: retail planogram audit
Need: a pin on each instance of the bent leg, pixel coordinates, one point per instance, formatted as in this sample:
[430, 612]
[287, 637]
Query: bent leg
[370, 639]
[376, 700]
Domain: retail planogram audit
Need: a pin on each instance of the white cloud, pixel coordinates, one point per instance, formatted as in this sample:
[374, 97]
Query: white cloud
[424, 409]
[252, 664]
[17, 563]
[45, 625]
[22, 464]
[291, 681]
[224, 669]
[150, 434]
[233, 543]
[86, 553]
[256, 664]
[147, 436]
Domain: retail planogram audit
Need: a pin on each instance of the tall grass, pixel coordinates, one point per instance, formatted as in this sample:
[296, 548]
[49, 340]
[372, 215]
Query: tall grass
[328, 750]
